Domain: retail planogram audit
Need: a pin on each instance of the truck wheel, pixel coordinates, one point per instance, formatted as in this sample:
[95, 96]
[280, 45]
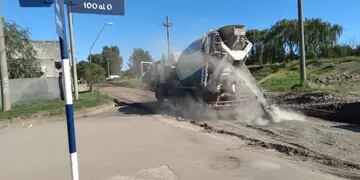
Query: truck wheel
[159, 94]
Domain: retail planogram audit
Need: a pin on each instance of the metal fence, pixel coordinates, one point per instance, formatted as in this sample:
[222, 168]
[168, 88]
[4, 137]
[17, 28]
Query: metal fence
[34, 89]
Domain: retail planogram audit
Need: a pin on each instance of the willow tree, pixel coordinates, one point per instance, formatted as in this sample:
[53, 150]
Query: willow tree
[257, 37]
[281, 41]
[321, 37]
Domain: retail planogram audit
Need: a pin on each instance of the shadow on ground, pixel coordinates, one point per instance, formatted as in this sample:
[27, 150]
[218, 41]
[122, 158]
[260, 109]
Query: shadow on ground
[349, 127]
[338, 116]
[145, 108]
[188, 111]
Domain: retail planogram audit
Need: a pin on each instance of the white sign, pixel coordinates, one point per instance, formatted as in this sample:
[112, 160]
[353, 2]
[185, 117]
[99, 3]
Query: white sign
[110, 7]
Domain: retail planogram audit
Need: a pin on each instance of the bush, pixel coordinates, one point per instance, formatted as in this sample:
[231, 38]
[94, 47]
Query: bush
[91, 73]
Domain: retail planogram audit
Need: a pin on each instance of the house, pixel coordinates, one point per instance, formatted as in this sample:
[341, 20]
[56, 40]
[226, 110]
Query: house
[48, 52]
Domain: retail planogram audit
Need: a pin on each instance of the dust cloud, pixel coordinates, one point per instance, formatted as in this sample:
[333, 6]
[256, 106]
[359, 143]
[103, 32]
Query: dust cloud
[257, 110]
[253, 107]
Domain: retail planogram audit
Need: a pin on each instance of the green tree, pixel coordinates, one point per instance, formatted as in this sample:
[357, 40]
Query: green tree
[21, 56]
[135, 59]
[109, 59]
[97, 59]
[257, 37]
[343, 50]
[281, 41]
[357, 51]
[111, 55]
[321, 37]
[90, 73]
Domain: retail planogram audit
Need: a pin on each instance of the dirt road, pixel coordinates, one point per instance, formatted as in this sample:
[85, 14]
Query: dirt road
[130, 143]
[333, 146]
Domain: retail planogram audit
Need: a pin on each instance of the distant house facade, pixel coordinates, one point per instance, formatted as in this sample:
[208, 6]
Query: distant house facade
[48, 53]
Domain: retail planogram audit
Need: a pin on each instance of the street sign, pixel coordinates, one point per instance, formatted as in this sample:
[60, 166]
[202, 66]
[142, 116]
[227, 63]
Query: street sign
[109, 7]
[35, 3]
[41, 3]
[59, 18]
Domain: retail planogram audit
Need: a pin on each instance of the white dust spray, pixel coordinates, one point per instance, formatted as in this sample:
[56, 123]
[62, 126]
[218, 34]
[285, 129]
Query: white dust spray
[274, 113]
[254, 108]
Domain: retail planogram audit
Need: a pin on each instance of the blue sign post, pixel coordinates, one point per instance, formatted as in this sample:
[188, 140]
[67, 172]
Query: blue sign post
[60, 28]
[60, 19]
[110, 7]
[61, 31]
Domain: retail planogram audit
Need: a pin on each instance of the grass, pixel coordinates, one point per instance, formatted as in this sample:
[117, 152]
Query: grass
[128, 82]
[282, 81]
[283, 77]
[51, 108]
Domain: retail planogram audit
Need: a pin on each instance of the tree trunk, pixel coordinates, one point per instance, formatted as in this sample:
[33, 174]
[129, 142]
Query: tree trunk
[91, 87]
[261, 55]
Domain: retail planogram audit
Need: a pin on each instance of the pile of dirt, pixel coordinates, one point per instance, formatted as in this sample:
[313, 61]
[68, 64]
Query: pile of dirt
[337, 78]
[311, 98]
[324, 105]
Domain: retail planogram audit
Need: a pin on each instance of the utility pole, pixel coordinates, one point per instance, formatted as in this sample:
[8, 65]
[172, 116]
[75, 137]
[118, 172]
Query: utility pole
[161, 90]
[5, 90]
[168, 24]
[302, 44]
[73, 57]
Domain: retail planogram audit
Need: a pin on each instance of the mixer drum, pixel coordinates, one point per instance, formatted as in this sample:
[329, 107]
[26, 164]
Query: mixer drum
[189, 66]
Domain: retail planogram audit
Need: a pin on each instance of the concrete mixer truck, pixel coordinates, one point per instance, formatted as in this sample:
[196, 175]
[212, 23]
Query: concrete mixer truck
[206, 70]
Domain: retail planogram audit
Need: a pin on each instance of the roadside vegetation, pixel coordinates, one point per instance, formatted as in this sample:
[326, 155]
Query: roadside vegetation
[334, 75]
[52, 108]
[21, 55]
[109, 60]
[280, 42]
[98, 68]
[133, 77]
[90, 73]
[332, 67]
[127, 81]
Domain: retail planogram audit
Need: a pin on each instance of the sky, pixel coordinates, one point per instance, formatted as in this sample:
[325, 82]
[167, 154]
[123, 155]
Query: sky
[141, 26]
